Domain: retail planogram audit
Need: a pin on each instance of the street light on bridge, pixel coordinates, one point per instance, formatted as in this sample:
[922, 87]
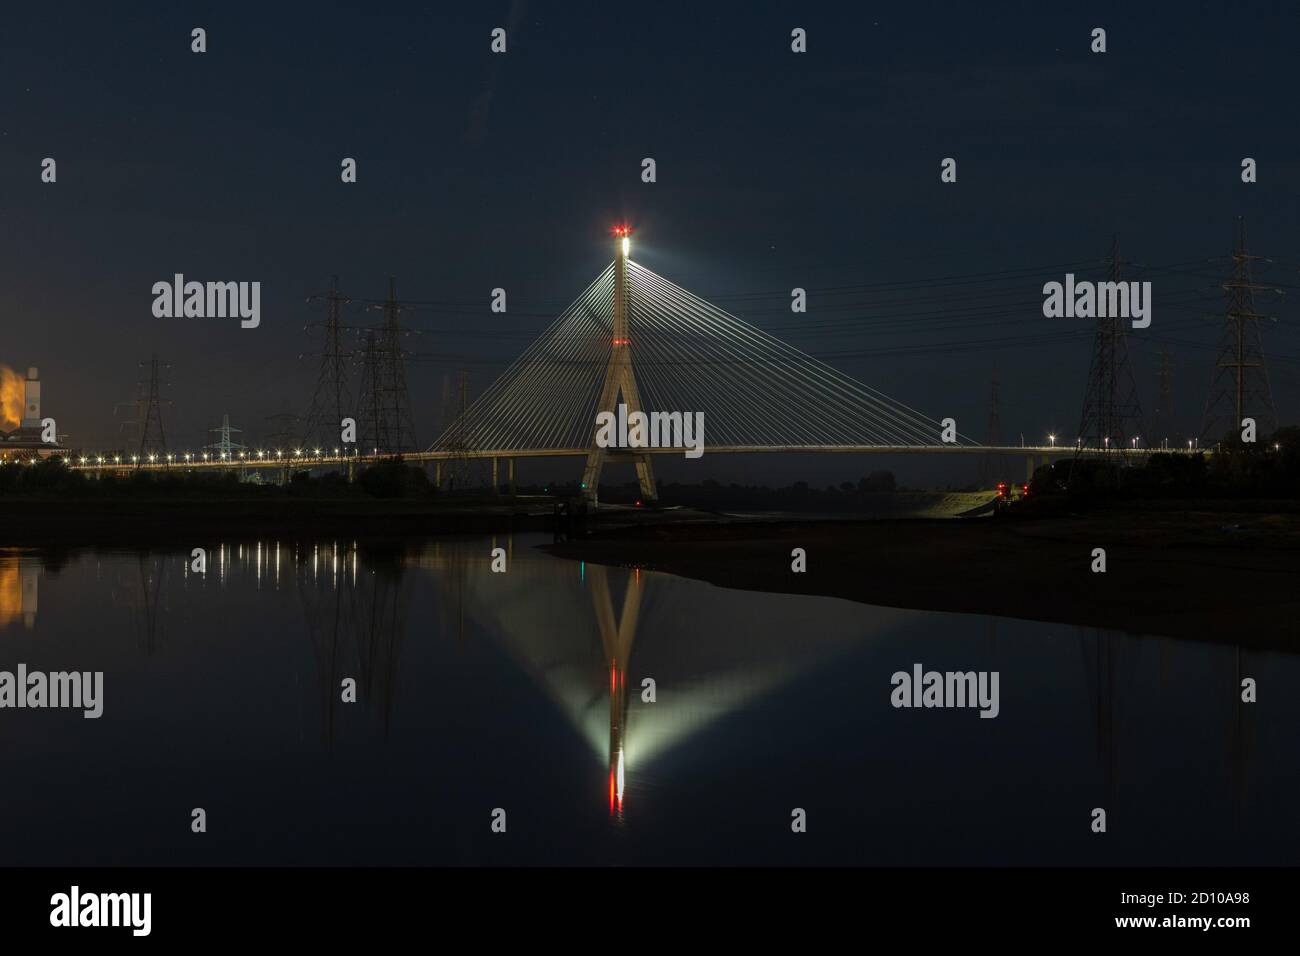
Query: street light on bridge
[1051, 439]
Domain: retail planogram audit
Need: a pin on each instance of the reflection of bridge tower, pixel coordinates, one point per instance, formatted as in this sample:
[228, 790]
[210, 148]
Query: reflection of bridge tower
[616, 640]
[556, 621]
[620, 380]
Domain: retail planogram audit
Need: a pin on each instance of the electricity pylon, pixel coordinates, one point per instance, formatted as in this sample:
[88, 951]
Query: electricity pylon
[374, 432]
[1162, 419]
[458, 468]
[1240, 387]
[148, 408]
[993, 436]
[394, 429]
[1111, 411]
[331, 402]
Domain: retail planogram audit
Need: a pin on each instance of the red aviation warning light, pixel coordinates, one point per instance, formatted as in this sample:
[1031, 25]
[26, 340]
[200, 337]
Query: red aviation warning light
[624, 243]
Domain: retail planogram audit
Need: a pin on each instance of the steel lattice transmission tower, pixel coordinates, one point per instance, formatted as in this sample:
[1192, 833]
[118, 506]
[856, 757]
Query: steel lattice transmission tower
[620, 380]
[394, 430]
[1111, 411]
[1240, 387]
[459, 465]
[148, 409]
[373, 421]
[332, 401]
[1162, 419]
[992, 464]
[224, 445]
[288, 427]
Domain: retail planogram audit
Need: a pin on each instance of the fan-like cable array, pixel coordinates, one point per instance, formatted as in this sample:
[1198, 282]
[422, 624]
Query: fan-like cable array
[754, 390]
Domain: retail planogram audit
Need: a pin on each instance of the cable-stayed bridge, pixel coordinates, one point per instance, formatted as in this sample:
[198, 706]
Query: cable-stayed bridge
[637, 339]
[634, 343]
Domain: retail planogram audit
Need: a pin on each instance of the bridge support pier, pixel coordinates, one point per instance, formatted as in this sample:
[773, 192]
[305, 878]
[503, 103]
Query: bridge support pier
[510, 474]
[437, 475]
[496, 485]
[596, 459]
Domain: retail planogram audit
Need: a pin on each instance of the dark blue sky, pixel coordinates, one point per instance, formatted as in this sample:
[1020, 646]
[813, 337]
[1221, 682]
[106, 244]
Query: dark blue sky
[775, 170]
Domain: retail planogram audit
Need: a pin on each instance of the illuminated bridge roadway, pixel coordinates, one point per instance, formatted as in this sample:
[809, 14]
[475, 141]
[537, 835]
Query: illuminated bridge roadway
[285, 462]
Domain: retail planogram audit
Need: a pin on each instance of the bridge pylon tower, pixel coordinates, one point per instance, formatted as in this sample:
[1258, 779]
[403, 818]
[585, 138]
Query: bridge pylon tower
[620, 380]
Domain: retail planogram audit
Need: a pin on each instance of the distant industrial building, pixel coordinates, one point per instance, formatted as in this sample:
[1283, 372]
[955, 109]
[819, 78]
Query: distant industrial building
[25, 442]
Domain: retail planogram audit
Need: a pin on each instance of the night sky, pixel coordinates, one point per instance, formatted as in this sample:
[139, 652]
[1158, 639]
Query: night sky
[775, 170]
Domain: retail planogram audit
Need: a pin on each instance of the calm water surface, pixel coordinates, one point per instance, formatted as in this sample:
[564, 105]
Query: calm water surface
[522, 691]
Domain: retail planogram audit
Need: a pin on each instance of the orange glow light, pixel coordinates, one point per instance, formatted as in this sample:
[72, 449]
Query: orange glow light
[11, 398]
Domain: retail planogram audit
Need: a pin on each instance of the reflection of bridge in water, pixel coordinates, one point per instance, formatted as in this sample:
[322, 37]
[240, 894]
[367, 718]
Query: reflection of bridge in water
[356, 620]
[572, 627]
[588, 635]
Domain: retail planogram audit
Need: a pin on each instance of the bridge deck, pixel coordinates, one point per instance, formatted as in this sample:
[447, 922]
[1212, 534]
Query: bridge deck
[267, 461]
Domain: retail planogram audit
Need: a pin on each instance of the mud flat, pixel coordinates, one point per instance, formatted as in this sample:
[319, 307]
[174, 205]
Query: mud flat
[1222, 576]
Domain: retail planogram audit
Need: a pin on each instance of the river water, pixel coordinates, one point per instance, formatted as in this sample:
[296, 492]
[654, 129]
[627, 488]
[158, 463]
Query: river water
[524, 692]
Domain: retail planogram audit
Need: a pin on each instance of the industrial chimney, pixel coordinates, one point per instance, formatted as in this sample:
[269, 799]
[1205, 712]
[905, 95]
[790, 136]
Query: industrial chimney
[32, 400]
